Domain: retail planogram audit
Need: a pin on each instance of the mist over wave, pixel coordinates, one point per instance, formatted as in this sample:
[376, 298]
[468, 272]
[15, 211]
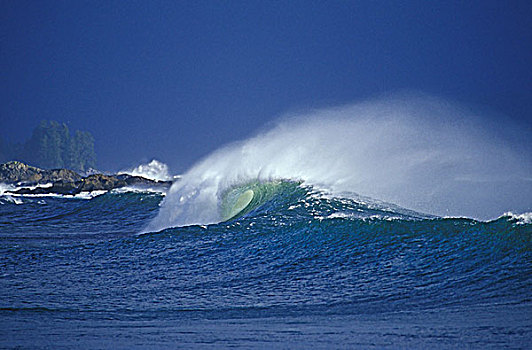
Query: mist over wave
[418, 152]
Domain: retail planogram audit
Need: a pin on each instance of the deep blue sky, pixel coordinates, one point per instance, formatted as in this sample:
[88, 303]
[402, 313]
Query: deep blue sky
[175, 80]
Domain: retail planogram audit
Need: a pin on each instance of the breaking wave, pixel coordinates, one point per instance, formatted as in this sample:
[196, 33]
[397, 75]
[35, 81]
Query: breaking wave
[418, 152]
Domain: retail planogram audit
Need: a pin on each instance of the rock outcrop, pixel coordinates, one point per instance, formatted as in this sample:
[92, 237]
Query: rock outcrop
[66, 181]
[23, 174]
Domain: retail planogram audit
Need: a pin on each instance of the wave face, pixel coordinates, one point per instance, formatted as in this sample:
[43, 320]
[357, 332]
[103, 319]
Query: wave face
[295, 267]
[420, 153]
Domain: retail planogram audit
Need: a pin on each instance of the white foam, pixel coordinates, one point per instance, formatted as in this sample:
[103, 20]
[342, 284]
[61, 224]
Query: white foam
[89, 194]
[81, 195]
[6, 192]
[159, 190]
[10, 199]
[522, 219]
[154, 170]
[420, 153]
[46, 185]
[6, 188]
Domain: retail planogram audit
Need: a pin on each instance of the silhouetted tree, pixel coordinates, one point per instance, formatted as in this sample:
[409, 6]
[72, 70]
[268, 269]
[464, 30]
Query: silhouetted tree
[81, 155]
[51, 146]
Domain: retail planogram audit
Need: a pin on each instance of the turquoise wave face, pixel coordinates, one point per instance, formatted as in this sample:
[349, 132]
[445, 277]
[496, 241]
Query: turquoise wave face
[240, 200]
[285, 196]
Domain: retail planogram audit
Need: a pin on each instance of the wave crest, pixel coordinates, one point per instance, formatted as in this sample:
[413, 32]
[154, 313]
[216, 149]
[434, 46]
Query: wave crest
[522, 219]
[420, 153]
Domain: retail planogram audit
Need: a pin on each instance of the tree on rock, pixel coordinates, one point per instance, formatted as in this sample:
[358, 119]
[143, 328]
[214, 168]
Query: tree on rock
[51, 146]
[81, 151]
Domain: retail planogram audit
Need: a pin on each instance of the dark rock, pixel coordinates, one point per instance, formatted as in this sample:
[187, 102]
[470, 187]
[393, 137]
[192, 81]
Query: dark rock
[64, 187]
[58, 187]
[66, 181]
[38, 190]
[19, 173]
[15, 172]
[98, 182]
[133, 180]
[63, 175]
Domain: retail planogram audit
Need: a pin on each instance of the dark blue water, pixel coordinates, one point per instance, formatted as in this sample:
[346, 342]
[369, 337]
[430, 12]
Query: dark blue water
[297, 271]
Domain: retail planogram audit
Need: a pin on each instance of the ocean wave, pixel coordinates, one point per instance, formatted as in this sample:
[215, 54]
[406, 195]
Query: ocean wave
[8, 195]
[81, 195]
[5, 199]
[6, 188]
[140, 189]
[419, 153]
[521, 219]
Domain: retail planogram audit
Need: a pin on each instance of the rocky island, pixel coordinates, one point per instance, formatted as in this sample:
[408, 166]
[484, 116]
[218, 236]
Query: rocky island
[30, 180]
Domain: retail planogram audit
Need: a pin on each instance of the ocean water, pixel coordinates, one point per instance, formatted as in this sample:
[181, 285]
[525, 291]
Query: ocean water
[290, 240]
[298, 269]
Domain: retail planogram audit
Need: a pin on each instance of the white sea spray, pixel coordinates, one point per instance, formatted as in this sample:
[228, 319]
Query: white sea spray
[522, 219]
[154, 170]
[421, 153]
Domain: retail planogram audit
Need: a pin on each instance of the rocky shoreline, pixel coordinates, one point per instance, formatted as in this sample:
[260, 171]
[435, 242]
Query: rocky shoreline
[29, 180]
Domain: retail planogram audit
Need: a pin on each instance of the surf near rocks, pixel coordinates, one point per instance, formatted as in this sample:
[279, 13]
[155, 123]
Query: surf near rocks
[31, 180]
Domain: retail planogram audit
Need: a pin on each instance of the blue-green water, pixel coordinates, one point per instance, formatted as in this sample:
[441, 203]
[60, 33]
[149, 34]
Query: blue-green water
[298, 270]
